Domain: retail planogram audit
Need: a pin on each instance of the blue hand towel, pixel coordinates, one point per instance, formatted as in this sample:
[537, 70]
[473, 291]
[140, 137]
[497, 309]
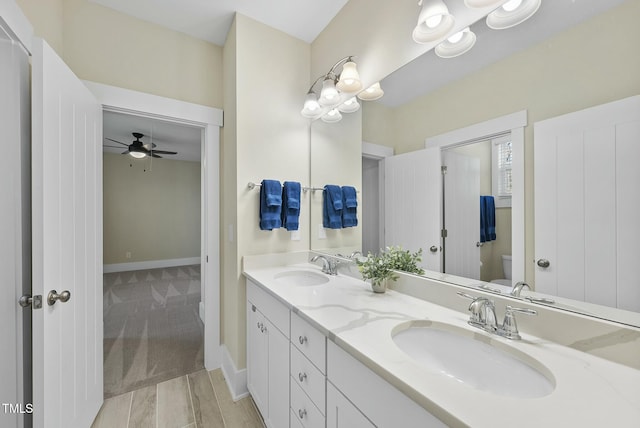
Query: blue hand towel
[270, 204]
[350, 206]
[290, 215]
[487, 219]
[332, 212]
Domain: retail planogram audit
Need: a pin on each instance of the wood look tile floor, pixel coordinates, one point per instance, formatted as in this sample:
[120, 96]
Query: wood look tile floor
[199, 399]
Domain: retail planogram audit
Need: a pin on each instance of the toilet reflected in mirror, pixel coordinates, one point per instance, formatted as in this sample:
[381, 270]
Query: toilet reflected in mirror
[506, 269]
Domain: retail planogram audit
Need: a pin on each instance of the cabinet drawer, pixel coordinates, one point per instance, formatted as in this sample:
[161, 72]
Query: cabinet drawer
[270, 307]
[308, 377]
[303, 409]
[309, 341]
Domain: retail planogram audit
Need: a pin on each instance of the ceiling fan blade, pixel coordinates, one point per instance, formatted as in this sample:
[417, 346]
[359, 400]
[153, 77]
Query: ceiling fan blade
[125, 152]
[164, 152]
[113, 147]
[116, 141]
[155, 155]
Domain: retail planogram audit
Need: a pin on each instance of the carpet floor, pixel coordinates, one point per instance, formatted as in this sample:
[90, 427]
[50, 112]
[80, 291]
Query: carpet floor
[152, 331]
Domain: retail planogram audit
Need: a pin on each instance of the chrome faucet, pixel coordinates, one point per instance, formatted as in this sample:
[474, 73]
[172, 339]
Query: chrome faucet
[517, 289]
[328, 267]
[483, 316]
[355, 254]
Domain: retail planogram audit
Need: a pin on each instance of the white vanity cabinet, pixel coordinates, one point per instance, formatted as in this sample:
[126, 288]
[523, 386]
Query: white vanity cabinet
[268, 356]
[366, 393]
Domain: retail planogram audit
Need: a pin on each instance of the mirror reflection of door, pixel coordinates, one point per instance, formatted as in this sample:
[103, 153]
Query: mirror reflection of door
[474, 170]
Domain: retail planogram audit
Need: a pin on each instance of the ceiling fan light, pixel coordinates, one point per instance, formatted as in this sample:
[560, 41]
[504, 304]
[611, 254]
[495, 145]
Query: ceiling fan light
[137, 154]
[349, 78]
[434, 22]
[329, 96]
[311, 108]
[332, 116]
[512, 13]
[457, 44]
[350, 106]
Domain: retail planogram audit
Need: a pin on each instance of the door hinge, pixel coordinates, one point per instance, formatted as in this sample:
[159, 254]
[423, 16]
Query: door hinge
[443, 169]
[443, 233]
[207, 259]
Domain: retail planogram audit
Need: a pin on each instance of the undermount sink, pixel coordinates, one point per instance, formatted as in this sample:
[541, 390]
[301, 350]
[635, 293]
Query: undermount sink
[473, 359]
[301, 277]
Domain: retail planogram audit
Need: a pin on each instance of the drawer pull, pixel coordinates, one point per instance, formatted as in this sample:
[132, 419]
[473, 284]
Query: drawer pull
[302, 376]
[302, 413]
[303, 339]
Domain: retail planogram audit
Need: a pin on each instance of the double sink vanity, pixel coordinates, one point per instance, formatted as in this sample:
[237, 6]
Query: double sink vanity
[325, 351]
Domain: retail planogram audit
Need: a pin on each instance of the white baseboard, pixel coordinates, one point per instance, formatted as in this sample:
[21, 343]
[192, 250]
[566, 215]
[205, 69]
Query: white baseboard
[236, 379]
[151, 264]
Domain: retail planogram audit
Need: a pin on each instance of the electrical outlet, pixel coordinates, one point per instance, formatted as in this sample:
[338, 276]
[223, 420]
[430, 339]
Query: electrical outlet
[322, 234]
[127, 254]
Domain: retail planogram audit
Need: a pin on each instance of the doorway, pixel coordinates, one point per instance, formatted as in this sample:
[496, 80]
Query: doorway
[152, 239]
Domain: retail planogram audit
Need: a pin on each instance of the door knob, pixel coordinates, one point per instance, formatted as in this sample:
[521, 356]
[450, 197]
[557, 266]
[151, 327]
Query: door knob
[433, 249]
[53, 297]
[543, 263]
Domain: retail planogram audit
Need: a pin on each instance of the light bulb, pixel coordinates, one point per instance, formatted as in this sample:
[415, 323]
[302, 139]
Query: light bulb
[456, 37]
[512, 5]
[433, 21]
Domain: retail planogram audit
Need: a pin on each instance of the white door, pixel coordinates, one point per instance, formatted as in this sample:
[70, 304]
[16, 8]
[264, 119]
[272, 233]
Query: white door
[67, 244]
[14, 226]
[587, 203]
[461, 215]
[413, 188]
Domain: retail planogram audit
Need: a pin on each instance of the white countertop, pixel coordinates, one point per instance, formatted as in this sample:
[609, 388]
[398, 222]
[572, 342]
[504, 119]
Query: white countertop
[589, 391]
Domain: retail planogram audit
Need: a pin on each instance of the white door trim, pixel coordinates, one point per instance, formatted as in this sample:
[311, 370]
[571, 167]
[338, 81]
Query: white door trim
[15, 23]
[210, 120]
[514, 122]
[378, 152]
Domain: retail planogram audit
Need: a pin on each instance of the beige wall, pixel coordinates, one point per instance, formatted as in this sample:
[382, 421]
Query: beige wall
[106, 46]
[150, 210]
[270, 139]
[590, 64]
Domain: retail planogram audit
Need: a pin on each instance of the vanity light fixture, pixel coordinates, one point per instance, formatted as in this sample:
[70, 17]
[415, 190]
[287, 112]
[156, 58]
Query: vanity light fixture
[482, 3]
[349, 106]
[372, 93]
[456, 45]
[331, 102]
[512, 13]
[332, 116]
[434, 21]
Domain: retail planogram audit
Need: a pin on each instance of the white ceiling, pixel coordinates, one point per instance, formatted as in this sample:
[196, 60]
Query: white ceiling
[184, 139]
[211, 19]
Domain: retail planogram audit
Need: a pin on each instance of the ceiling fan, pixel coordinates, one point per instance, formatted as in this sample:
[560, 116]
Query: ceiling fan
[138, 149]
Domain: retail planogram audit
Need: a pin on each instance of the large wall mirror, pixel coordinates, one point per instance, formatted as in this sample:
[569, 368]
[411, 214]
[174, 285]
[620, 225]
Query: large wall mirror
[568, 57]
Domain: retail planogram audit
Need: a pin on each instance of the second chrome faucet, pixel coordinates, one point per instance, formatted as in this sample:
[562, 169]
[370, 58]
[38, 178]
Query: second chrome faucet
[483, 316]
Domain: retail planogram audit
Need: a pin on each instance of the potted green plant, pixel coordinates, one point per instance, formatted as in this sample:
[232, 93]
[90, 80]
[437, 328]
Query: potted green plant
[380, 268]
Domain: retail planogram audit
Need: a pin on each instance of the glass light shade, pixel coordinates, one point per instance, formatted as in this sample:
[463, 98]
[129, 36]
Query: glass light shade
[512, 13]
[482, 3]
[329, 96]
[311, 108]
[457, 44]
[138, 155]
[434, 22]
[350, 106]
[349, 78]
[372, 93]
[332, 116]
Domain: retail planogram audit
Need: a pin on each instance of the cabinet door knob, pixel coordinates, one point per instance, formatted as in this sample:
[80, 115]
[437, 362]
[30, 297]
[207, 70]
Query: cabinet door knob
[302, 339]
[302, 376]
[302, 413]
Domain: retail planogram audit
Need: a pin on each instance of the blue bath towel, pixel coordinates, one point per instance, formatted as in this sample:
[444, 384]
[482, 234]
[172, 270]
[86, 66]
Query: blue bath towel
[350, 206]
[270, 204]
[290, 215]
[332, 211]
[487, 219]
